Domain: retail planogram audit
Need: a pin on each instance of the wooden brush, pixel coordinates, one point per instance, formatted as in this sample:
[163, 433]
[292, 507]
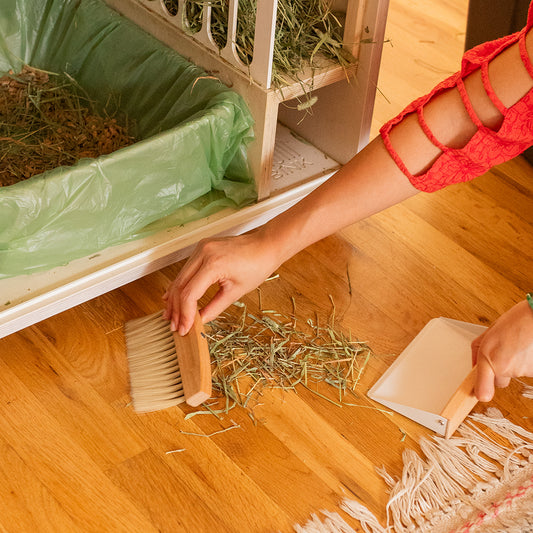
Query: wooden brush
[166, 369]
[460, 404]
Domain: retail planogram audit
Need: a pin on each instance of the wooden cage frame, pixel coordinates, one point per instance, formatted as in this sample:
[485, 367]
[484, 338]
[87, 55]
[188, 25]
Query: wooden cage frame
[340, 122]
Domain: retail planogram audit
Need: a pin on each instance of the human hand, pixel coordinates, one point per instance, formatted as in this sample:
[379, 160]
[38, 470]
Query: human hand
[237, 264]
[504, 351]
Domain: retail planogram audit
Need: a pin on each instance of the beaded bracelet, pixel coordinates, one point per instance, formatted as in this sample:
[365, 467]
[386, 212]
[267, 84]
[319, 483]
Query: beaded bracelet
[529, 297]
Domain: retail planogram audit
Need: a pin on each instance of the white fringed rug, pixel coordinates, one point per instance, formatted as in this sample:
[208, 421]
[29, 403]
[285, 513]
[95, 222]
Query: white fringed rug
[479, 481]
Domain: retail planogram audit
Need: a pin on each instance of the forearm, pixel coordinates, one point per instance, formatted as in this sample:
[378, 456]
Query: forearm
[475, 119]
[369, 183]
[425, 148]
[372, 181]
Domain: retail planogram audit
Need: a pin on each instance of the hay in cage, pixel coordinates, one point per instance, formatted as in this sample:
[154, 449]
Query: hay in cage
[48, 121]
[305, 32]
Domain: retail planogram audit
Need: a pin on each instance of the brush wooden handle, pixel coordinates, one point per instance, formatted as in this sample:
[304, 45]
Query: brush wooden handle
[195, 363]
[460, 404]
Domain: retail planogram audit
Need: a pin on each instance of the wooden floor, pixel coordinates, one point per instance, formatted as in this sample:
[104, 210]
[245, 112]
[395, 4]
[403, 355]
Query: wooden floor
[75, 457]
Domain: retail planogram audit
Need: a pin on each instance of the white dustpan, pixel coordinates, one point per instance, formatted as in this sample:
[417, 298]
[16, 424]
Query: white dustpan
[431, 381]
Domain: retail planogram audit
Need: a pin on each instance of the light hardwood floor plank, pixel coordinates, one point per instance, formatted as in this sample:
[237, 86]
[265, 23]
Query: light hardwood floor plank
[91, 500]
[83, 414]
[25, 503]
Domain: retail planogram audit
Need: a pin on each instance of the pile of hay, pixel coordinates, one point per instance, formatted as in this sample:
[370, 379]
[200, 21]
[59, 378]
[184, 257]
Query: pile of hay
[305, 30]
[255, 353]
[46, 121]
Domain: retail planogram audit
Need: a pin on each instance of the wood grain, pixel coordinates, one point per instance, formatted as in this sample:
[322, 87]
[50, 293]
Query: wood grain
[460, 404]
[76, 457]
[195, 363]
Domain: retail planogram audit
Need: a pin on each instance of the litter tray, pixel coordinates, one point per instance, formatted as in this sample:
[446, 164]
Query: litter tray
[74, 233]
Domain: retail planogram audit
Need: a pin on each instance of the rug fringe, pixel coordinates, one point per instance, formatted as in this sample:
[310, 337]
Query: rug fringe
[333, 523]
[470, 483]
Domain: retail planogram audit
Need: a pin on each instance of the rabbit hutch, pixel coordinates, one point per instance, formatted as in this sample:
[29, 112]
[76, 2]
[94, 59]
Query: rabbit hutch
[293, 131]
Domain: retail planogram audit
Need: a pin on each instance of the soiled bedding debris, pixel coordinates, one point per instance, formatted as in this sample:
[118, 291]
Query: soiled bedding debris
[47, 121]
[271, 351]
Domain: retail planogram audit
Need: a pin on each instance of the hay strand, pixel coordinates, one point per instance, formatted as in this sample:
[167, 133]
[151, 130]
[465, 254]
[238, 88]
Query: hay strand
[251, 354]
[306, 31]
[48, 121]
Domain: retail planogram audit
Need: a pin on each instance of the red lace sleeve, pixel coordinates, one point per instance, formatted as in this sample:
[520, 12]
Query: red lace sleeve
[487, 147]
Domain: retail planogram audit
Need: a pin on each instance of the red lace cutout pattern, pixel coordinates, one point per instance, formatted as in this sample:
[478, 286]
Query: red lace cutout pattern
[486, 148]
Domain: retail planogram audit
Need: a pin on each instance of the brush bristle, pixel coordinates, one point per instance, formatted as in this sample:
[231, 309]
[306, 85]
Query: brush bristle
[155, 379]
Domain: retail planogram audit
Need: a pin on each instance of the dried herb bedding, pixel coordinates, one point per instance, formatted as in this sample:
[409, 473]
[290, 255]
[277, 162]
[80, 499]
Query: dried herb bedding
[305, 30]
[46, 122]
[190, 162]
[270, 350]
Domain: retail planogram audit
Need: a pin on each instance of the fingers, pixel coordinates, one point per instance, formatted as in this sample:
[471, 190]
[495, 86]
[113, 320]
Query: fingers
[208, 265]
[476, 343]
[185, 302]
[488, 375]
[484, 388]
[492, 365]
[501, 382]
[183, 294]
[236, 264]
[222, 300]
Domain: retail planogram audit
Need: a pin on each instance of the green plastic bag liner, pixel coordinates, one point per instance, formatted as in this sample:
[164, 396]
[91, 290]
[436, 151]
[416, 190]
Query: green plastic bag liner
[193, 132]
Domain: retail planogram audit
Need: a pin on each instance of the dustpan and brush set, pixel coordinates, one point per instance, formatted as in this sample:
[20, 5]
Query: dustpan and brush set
[431, 381]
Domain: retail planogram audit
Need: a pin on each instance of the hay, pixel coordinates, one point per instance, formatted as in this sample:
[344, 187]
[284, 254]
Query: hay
[46, 121]
[305, 30]
[253, 354]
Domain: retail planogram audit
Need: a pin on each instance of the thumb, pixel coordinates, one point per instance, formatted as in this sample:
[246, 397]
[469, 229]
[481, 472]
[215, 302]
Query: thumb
[220, 301]
[476, 343]
[484, 388]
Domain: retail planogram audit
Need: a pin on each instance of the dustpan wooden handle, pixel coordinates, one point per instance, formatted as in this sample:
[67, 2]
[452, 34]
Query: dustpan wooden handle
[460, 404]
[195, 363]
